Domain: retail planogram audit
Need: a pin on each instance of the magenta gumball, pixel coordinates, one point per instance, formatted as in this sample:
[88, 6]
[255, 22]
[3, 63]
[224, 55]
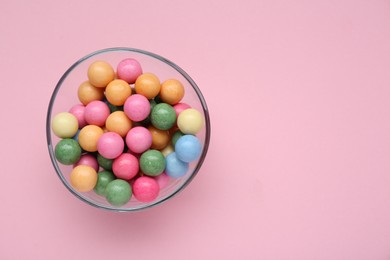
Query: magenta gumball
[139, 139]
[126, 166]
[89, 160]
[180, 107]
[137, 107]
[96, 113]
[79, 112]
[110, 145]
[163, 180]
[145, 189]
[129, 70]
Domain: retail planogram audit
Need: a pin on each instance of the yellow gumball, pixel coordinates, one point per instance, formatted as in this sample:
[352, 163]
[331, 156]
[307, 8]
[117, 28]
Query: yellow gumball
[65, 125]
[190, 121]
[167, 150]
[83, 178]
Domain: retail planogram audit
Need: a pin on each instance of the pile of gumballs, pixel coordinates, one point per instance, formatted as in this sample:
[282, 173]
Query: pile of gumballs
[130, 136]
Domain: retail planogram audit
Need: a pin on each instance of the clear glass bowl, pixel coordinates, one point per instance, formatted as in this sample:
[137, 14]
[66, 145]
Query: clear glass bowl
[65, 96]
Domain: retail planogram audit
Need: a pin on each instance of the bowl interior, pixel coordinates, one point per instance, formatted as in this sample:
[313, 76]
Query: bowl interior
[65, 96]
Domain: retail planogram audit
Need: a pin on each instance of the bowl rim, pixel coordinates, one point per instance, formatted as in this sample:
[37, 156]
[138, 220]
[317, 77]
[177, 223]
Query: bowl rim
[51, 148]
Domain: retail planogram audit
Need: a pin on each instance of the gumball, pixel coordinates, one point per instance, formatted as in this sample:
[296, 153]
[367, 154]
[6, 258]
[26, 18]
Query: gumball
[76, 136]
[160, 138]
[96, 113]
[83, 178]
[179, 107]
[100, 73]
[148, 85]
[175, 168]
[64, 125]
[163, 116]
[78, 111]
[88, 93]
[139, 139]
[110, 145]
[167, 150]
[67, 151]
[126, 166]
[137, 107]
[89, 136]
[117, 91]
[163, 180]
[104, 162]
[188, 148]
[104, 178]
[176, 135]
[145, 189]
[118, 192]
[172, 91]
[119, 123]
[152, 162]
[190, 121]
[146, 121]
[89, 160]
[129, 70]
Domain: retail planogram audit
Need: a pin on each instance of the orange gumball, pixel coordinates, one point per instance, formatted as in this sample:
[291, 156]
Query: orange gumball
[160, 138]
[148, 85]
[100, 73]
[119, 123]
[89, 136]
[172, 91]
[83, 178]
[88, 93]
[117, 91]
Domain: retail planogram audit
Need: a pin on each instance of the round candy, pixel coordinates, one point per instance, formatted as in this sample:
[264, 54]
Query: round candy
[129, 70]
[172, 91]
[110, 145]
[64, 125]
[163, 116]
[100, 73]
[117, 91]
[167, 150]
[104, 162]
[163, 180]
[118, 192]
[145, 189]
[96, 113]
[119, 123]
[139, 139]
[67, 151]
[176, 135]
[88, 93]
[104, 178]
[152, 162]
[147, 85]
[175, 168]
[160, 138]
[126, 166]
[180, 107]
[78, 111]
[89, 136]
[190, 121]
[89, 160]
[83, 178]
[188, 148]
[137, 107]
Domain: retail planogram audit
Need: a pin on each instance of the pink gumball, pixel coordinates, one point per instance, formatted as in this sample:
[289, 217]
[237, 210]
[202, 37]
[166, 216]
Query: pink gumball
[129, 70]
[180, 107]
[96, 113]
[89, 160]
[110, 145]
[163, 180]
[139, 139]
[79, 111]
[145, 189]
[137, 107]
[126, 166]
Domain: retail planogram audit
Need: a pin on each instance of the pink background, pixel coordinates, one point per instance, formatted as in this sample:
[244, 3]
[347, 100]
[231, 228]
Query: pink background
[298, 166]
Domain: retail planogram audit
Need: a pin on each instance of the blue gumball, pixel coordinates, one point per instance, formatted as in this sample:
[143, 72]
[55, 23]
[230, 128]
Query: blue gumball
[188, 148]
[174, 167]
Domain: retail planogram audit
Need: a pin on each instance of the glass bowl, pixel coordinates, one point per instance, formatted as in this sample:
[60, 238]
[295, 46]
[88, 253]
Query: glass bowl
[65, 96]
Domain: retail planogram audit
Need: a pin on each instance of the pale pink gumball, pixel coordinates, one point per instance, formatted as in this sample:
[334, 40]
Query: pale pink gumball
[139, 139]
[110, 145]
[96, 113]
[145, 189]
[129, 70]
[179, 107]
[79, 111]
[163, 180]
[126, 166]
[89, 160]
[137, 107]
